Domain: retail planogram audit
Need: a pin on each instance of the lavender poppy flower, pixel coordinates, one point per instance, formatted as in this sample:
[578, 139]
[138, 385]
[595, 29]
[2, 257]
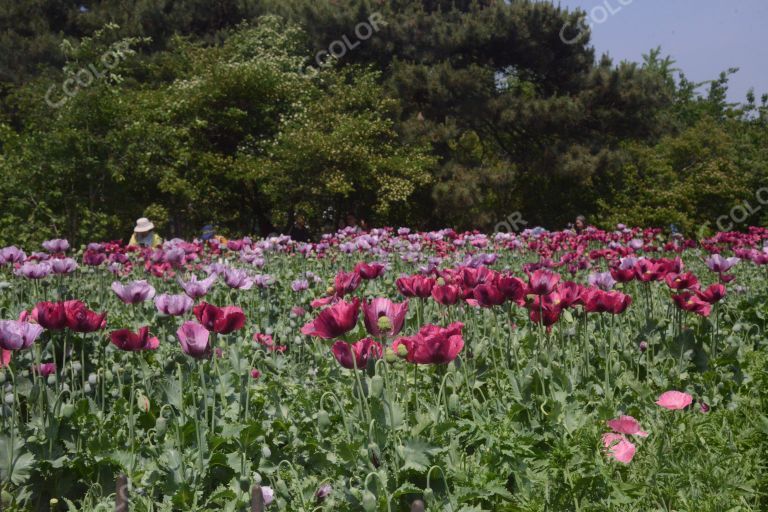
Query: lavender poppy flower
[717, 263]
[174, 305]
[17, 335]
[56, 245]
[135, 292]
[34, 270]
[636, 244]
[602, 280]
[11, 254]
[263, 280]
[196, 289]
[299, 285]
[63, 266]
[238, 279]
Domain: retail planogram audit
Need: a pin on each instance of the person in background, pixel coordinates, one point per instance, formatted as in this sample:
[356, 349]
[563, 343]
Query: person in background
[144, 234]
[299, 231]
[351, 221]
[209, 233]
[580, 225]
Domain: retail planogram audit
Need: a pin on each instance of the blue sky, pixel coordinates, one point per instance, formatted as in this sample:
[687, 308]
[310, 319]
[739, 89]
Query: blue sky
[704, 37]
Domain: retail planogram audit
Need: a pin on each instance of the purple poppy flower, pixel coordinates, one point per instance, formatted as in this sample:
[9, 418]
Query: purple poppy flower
[11, 254]
[34, 270]
[238, 279]
[63, 266]
[56, 245]
[717, 263]
[636, 244]
[196, 289]
[174, 305]
[135, 292]
[175, 256]
[263, 280]
[602, 280]
[299, 285]
[17, 335]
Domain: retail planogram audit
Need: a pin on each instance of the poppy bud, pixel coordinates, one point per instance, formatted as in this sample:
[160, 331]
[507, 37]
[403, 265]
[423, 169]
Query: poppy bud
[161, 426]
[266, 452]
[429, 495]
[2, 377]
[453, 402]
[369, 501]
[281, 487]
[390, 356]
[323, 420]
[377, 385]
[384, 323]
[643, 346]
[402, 350]
[143, 403]
[67, 410]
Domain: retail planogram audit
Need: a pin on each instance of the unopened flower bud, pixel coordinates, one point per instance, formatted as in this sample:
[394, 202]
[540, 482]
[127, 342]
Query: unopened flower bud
[643, 346]
[389, 355]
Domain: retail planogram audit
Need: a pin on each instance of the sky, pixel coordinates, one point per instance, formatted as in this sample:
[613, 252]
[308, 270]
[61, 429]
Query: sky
[704, 37]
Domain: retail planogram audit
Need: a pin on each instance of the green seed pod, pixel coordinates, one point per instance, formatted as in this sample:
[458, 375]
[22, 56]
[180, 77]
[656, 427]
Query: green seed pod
[402, 350]
[377, 385]
[323, 420]
[429, 495]
[266, 452]
[161, 426]
[67, 410]
[390, 356]
[384, 323]
[32, 439]
[369, 501]
[453, 402]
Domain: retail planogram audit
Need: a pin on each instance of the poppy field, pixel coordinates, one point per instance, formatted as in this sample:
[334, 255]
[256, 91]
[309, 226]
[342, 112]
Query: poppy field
[619, 370]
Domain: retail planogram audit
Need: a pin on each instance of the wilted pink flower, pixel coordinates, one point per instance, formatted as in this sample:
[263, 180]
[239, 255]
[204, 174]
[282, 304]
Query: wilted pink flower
[674, 400]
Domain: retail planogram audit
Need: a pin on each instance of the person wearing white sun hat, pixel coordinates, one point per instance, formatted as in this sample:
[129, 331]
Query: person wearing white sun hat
[144, 234]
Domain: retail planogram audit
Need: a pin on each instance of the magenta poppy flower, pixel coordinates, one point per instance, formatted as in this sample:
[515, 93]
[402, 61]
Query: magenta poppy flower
[378, 308]
[674, 400]
[220, 320]
[486, 295]
[433, 344]
[346, 282]
[370, 270]
[5, 357]
[45, 369]
[513, 288]
[127, 340]
[174, 305]
[194, 340]
[446, 294]
[542, 282]
[50, 315]
[415, 286]
[82, 319]
[713, 294]
[357, 354]
[687, 301]
[334, 321]
[598, 301]
[93, 258]
[266, 341]
[134, 292]
[682, 281]
[18, 335]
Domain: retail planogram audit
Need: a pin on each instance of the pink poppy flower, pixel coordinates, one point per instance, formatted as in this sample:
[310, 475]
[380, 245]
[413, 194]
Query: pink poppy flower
[627, 425]
[619, 447]
[674, 400]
